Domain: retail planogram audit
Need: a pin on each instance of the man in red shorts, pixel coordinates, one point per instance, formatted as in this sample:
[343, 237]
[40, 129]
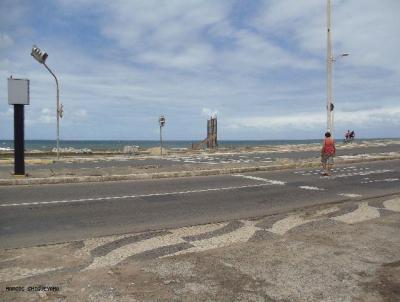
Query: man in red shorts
[327, 153]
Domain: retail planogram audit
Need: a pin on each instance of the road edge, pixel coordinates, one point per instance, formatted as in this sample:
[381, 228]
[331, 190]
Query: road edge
[177, 174]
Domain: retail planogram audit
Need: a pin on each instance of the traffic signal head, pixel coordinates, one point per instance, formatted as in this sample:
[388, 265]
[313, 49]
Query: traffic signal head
[39, 55]
[161, 120]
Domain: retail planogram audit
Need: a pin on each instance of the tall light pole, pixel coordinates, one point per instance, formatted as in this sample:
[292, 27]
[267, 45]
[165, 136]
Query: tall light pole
[329, 65]
[41, 57]
[161, 121]
[330, 59]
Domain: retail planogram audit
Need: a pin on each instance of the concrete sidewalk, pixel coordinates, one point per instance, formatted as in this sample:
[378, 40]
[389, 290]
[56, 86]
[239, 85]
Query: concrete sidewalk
[49, 175]
[339, 252]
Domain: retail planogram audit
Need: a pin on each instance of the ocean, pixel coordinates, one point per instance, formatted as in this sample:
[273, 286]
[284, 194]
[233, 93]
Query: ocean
[118, 145]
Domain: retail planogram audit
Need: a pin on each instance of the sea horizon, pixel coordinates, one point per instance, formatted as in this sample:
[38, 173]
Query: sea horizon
[118, 144]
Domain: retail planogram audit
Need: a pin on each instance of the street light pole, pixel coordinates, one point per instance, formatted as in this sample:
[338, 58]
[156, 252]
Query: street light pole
[330, 59]
[329, 63]
[41, 57]
[59, 111]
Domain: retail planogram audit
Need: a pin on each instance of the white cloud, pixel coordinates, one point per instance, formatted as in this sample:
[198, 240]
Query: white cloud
[46, 117]
[164, 33]
[5, 40]
[364, 28]
[9, 113]
[317, 120]
[189, 57]
[81, 114]
[309, 120]
[371, 117]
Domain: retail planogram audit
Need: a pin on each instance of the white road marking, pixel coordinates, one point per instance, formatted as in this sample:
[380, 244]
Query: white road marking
[346, 171]
[270, 181]
[135, 196]
[364, 212]
[311, 188]
[362, 173]
[219, 160]
[351, 195]
[380, 180]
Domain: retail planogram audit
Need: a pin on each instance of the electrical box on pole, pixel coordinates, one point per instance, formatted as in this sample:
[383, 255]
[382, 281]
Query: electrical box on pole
[18, 91]
[18, 96]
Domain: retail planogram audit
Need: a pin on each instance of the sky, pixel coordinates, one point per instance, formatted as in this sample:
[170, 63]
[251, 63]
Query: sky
[260, 66]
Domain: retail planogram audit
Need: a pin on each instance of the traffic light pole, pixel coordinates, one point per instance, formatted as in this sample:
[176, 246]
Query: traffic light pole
[161, 121]
[161, 141]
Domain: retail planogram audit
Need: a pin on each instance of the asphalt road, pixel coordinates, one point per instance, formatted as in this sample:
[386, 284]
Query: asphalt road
[34, 215]
[196, 158]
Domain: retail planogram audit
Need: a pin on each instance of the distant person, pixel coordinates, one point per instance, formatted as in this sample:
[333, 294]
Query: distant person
[352, 135]
[327, 153]
[347, 136]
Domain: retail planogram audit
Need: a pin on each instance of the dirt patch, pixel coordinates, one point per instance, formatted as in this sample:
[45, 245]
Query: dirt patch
[385, 285]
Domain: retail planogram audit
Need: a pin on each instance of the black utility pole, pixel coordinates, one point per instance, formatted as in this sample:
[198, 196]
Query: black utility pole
[19, 145]
[18, 96]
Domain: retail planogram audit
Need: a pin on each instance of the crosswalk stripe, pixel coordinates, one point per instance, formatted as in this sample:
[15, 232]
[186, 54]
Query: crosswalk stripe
[270, 181]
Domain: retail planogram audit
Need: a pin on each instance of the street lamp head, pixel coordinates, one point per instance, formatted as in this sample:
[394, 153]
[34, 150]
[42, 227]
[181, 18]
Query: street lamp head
[334, 59]
[161, 120]
[38, 54]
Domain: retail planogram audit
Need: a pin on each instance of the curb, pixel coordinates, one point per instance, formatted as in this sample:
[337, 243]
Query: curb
[176, 174]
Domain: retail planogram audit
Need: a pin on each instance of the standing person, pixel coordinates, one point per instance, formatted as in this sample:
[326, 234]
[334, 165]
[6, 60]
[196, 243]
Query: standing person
[327, 153]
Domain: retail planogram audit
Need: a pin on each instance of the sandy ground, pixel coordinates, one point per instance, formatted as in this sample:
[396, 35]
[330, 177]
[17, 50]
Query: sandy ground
[338, 252]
